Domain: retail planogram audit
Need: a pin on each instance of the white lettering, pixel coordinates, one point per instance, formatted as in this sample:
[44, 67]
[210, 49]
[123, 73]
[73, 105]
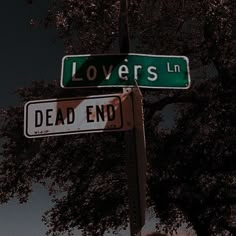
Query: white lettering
[107, 73]
[136, 68]
[168, 68]
[177, 68]
[174, 69]
[74, 78]
[123, 72]
[153, 73]
[91, 72]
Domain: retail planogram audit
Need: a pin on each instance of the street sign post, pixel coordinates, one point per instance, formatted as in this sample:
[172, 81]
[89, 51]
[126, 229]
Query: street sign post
[78, 115]
[136, 163]
[122, 70]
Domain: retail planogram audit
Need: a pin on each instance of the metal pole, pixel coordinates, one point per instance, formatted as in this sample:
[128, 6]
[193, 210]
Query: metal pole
[135, 141]
[136, 166]
[123, 27]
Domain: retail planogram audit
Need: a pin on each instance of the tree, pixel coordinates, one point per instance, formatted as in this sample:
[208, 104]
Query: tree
[190, 166]
[193, 164]
[87, 184]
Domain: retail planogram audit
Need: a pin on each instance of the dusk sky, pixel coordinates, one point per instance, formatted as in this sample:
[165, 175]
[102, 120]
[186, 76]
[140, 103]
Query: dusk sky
[27, 54]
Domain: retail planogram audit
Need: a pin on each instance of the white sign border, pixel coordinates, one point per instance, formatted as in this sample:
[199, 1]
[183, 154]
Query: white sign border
[26, 134]
[126, 86]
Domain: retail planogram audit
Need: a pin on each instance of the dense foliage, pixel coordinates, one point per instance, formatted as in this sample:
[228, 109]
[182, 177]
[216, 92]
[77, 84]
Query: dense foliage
[190, 165]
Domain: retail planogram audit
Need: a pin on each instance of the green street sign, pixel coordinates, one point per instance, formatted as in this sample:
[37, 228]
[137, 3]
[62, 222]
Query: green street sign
[121, 70]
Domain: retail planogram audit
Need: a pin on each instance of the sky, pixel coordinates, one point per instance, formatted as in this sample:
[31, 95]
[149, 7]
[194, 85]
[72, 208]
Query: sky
[28, 54]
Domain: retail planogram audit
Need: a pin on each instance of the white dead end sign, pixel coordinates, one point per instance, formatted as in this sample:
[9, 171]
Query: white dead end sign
[78, 115]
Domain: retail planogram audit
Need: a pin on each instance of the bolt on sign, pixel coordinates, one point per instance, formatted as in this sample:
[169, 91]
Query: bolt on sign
[121, 70]
[78, 115]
